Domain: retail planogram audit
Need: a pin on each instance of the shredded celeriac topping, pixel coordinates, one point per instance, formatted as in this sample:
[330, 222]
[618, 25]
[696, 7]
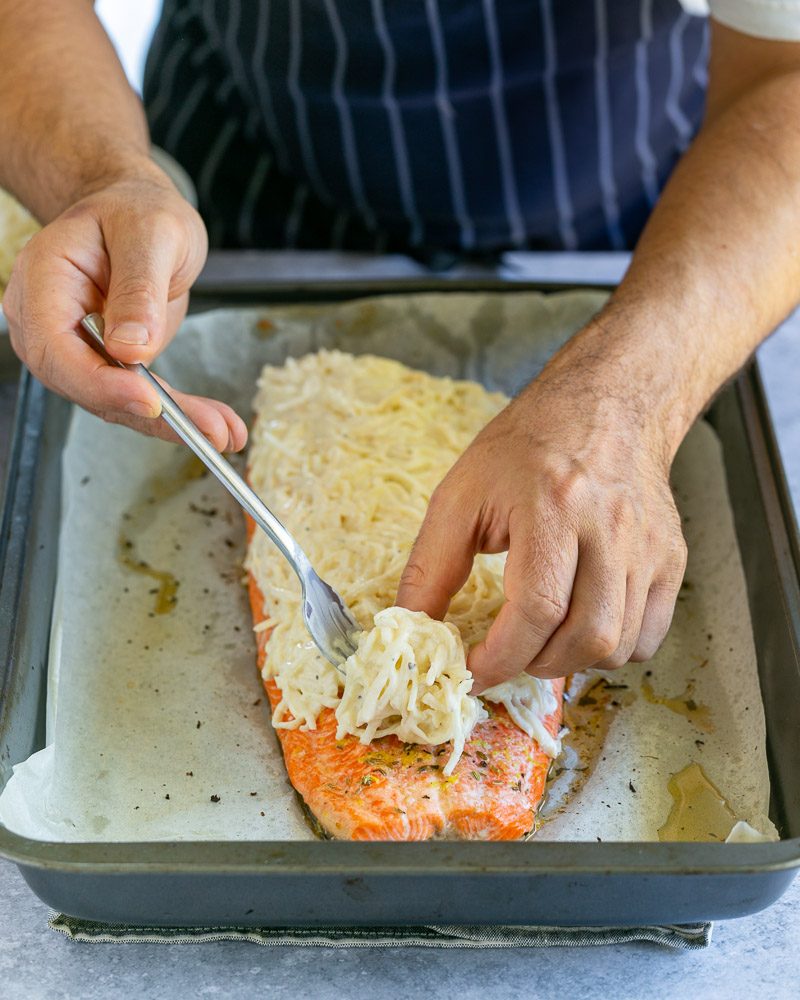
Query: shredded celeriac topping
[409, 678]
[347, 452]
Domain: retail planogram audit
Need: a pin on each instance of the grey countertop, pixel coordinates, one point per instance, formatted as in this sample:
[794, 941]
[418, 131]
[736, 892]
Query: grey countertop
[756, 956]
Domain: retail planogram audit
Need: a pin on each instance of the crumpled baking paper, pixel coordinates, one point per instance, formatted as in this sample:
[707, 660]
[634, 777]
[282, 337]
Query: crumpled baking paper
[157, 725]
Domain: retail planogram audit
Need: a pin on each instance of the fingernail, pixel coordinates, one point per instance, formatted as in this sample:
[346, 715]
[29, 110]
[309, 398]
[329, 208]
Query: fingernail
[141, 410]
[130, 333]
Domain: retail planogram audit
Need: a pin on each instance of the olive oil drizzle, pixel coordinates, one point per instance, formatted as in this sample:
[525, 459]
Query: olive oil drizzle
[167, 593]
[700, 812]
[136, 519]
[683, 704]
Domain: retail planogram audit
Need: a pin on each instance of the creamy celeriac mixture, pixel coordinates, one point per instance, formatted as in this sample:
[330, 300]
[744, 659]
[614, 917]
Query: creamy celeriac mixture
[347, 452]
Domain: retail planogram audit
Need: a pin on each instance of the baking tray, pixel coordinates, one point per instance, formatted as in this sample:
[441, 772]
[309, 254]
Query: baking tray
[9, 383]
[338, 883]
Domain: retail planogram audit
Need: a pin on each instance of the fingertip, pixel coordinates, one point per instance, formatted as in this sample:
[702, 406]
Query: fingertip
[547, 671]
[213, 424]
[478, 684]
[130, 353]
[412, 599]
[126, 334]
[238, 438]
[484, 672]
[410, 592]
[237, 429]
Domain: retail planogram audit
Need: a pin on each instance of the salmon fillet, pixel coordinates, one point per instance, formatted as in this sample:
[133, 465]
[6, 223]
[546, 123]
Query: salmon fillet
[388, 790]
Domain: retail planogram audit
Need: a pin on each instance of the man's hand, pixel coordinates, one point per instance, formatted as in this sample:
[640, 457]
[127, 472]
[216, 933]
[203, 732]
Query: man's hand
[120, 240]
[567, 480]
[129, 250]
[572, 477]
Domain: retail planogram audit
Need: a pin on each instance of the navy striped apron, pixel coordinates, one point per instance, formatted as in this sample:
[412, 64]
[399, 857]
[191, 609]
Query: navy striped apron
[469, 126]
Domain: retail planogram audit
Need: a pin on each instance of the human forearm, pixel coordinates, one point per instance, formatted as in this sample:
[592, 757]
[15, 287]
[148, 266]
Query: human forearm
[573, 477]
[118, 238]
[718, 266]
[69, 121]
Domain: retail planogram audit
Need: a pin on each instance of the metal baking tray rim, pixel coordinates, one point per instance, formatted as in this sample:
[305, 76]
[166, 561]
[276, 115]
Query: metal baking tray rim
[432, 859]
[395, 858]
[402, 858]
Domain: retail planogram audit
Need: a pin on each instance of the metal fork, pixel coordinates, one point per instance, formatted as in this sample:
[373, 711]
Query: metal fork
[329, 621]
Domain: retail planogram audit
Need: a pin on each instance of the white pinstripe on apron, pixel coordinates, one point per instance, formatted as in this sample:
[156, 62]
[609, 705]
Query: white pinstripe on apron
[460, 125]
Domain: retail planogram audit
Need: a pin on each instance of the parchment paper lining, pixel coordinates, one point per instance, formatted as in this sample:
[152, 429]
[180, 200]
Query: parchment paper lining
[158, 728]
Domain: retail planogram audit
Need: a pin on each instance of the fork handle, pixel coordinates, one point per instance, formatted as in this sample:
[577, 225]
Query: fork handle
[190, 434]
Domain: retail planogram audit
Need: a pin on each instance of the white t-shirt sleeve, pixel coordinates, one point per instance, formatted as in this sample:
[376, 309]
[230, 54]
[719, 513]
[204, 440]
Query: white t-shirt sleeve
[775, 19]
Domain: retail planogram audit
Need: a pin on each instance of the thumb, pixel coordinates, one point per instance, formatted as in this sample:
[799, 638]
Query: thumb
[139, 286]
[439, 564]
